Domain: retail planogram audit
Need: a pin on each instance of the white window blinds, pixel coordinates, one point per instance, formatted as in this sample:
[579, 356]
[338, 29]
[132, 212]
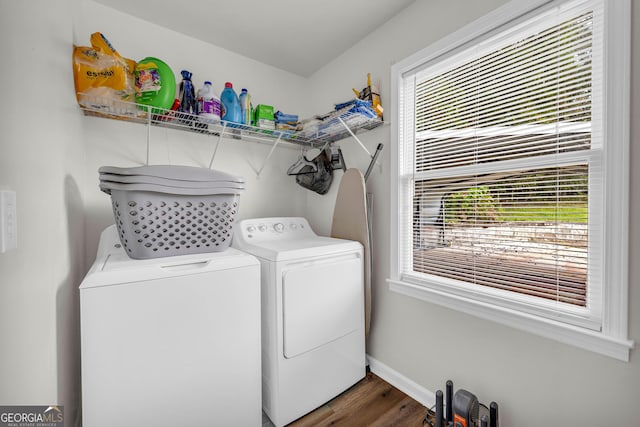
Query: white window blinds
[501, 166]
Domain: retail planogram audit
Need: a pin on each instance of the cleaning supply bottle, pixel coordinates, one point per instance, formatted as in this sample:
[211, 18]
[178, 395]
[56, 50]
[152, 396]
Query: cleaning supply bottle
[155, 84]
[230, 104]
[187, 97]
[245, 107]
[208, 104]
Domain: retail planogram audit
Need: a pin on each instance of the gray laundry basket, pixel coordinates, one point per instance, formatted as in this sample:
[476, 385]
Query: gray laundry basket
[159, 220]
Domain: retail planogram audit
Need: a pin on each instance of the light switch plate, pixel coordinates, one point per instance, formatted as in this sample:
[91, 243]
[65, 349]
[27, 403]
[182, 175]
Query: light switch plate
[8, 221]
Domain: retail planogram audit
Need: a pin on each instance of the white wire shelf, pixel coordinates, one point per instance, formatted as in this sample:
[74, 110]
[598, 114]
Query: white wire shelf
[316, 132]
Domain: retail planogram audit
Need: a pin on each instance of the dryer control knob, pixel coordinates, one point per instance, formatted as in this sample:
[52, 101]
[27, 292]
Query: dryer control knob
[251, 229]
[279, 227]
[262, 227]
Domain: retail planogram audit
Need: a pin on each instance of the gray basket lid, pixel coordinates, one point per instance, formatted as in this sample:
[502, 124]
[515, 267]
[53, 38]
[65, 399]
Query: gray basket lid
[107, 187]
[173, 172]
[141, 179]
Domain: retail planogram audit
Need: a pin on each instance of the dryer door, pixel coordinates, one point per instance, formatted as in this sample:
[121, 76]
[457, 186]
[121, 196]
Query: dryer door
[322, 301]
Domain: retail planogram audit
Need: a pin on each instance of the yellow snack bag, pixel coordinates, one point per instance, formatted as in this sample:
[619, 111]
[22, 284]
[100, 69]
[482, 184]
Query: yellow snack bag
[101, 75]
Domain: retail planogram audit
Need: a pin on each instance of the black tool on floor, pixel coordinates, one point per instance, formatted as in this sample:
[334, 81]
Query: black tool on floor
[439, 404]
[462, 409]
[493, 414]
[449, 389]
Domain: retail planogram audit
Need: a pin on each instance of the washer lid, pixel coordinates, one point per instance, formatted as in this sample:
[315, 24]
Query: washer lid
[114, 267]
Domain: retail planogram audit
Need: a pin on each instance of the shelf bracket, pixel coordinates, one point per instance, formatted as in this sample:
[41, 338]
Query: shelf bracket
[215, 150]
[269, 155]
[353, 135]
[148, 133]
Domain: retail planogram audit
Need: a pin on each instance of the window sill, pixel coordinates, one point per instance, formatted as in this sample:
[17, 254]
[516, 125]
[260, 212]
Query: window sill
[580, 337]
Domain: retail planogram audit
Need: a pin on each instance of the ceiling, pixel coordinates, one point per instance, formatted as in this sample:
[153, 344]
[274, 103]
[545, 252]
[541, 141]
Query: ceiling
[298, 36]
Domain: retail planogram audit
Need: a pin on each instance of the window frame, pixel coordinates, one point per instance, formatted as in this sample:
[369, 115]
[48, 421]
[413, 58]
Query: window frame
[612, 337]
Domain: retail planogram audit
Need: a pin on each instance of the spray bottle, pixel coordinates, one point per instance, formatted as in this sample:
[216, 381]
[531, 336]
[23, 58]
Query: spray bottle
[187, 97]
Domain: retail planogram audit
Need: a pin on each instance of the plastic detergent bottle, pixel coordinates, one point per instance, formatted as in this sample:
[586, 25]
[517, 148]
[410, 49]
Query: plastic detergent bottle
[208, 104]
[230, 104]
[245, 107]
[187, 96]
[155, 83]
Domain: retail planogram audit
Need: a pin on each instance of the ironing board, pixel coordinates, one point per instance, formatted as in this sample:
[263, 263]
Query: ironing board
[350, 222]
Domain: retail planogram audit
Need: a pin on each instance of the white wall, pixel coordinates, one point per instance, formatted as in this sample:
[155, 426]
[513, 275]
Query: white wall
[109, 142]
[423, 22]
[50, 153]
[41, 158]
[536, 381]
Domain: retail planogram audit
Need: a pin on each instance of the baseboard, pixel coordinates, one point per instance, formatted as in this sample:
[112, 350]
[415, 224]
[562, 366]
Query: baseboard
[404, 384]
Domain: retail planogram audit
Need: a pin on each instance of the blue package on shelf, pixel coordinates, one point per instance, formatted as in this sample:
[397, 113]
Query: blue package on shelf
[358, 106]
[281, 117]
[354, 114]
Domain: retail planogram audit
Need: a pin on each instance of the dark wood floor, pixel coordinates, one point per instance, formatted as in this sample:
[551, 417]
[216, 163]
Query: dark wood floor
[371, 402]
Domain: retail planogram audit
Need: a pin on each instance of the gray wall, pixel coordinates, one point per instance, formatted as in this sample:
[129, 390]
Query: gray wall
[41, 158]
[49, 155]
[536, 381]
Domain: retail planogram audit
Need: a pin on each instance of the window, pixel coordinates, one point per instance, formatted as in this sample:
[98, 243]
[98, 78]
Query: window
[511, 175]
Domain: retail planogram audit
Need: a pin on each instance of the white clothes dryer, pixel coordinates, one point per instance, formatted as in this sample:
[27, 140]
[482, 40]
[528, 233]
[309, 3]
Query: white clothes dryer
[170, 341]
[313, 344]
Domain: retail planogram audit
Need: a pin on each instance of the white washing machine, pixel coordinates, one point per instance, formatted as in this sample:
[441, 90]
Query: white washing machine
[313, 345]
[170, 341]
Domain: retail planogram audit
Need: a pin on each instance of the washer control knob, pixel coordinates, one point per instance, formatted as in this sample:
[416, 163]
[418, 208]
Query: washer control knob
[262, 227]
[293, 226]
[279, 227]
[251, 229]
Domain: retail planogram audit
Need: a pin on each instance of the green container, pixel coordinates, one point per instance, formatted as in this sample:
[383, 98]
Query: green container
[263, 117]
[155, 84]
